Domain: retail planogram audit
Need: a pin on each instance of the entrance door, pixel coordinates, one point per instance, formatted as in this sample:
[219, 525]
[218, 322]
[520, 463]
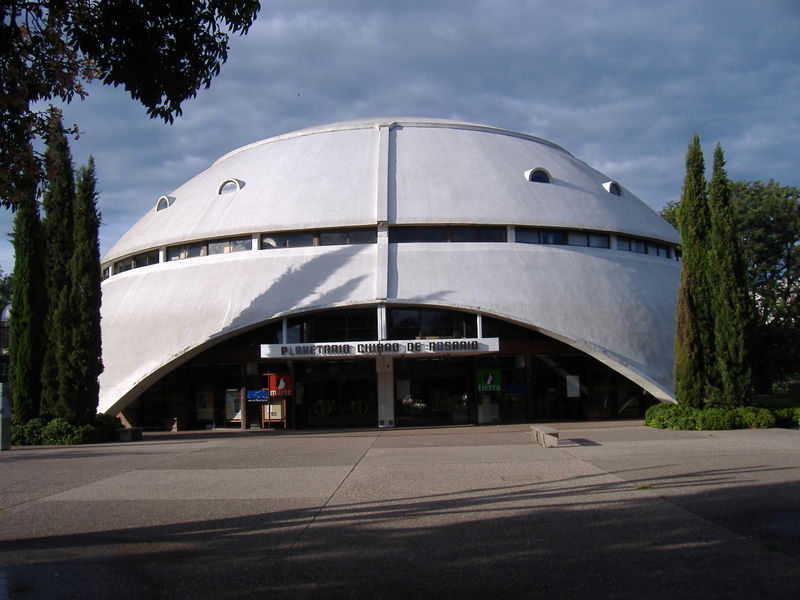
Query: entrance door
[339, 394]
[432, 392]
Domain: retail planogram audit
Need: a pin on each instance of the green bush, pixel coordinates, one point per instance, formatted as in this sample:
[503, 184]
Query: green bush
[672, 416]
[658, 415]
[17, 433]
[58, 432]
[716, 418]
[106, 428]
[85, 434]
[787, 417]
[753, 417]
[32, 432]
[684, 418]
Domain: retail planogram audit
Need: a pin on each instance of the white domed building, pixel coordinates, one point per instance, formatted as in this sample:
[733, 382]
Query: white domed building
[390, 272]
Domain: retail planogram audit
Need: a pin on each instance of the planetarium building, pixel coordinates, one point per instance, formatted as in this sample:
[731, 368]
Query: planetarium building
[390, 272]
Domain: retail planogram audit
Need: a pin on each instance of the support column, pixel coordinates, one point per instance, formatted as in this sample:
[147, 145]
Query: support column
[385, 369]
[243, 395]
[243, 405]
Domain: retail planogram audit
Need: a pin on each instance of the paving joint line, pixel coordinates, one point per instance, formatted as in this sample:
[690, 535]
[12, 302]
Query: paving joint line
[284, 555]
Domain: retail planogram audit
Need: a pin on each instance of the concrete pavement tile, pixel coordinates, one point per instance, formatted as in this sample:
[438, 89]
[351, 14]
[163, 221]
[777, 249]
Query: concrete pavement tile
[210, 484]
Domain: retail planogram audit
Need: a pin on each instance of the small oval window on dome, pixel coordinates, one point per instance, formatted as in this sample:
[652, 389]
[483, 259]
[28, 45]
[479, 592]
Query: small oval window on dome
[164, 202]
[612, 187]
[230, 186]
[538, 175]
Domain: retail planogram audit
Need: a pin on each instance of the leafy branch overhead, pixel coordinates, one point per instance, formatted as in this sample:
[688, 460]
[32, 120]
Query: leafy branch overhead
[160, 51]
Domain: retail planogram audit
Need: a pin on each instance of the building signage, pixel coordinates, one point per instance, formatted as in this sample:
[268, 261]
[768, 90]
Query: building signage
[400, 348]
[280, 385]
[257, 395]
[488, 380]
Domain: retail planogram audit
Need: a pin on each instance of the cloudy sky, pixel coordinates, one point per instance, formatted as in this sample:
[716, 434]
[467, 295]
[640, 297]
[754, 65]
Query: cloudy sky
[622, 84]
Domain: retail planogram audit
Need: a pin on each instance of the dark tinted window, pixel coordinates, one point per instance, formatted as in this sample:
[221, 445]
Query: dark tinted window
[287, 240]
[527, 236]
[402, 235]
[539, 176]
[478, 234]
[552, 236]
[599, 240]
[432, 234]
[348, 236]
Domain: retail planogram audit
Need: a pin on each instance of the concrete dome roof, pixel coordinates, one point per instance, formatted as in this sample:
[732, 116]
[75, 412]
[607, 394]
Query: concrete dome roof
[616, 306]
[439, 171]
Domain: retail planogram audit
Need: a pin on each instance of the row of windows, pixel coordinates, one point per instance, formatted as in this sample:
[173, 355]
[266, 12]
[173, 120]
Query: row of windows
[334, 237]
[527, 235]
[448, 233]
[644, 247]
[397, 235]
[362, 324]
[402, 323]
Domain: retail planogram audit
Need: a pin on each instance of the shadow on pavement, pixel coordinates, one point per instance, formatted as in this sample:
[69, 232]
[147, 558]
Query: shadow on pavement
[729, 542]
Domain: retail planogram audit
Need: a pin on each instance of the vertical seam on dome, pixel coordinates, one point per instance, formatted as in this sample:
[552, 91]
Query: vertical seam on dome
[381, 213]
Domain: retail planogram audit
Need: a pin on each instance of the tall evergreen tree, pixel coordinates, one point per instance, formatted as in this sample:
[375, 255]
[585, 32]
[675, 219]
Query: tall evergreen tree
[58, 202]
[79, 382]
[733, 311]
[26, 324]
[693, 319]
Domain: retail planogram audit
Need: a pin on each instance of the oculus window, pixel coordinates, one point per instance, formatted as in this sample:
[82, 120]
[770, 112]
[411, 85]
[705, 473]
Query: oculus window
[538, 175]
[164, 202]
[229, 186]
[612, 187]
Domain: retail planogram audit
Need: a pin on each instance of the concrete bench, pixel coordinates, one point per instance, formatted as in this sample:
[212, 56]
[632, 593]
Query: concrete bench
[130, 434]
[544, 436]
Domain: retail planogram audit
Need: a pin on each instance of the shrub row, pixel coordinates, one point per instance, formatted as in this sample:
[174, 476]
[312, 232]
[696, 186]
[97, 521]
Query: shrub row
[58, 431]
[673, 416]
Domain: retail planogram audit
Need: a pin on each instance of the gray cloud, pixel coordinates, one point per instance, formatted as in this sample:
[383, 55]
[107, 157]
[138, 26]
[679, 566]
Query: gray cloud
[623, 85]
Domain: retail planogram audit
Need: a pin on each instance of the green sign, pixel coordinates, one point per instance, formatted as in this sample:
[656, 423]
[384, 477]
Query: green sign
[488, 380]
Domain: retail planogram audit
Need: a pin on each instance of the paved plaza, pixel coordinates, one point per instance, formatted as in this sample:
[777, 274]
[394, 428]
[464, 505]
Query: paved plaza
[617, 511]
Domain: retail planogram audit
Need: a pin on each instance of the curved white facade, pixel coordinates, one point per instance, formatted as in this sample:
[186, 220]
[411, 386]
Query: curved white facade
[616, 306]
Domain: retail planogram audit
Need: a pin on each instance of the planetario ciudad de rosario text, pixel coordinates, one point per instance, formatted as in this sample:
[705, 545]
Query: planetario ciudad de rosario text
[390, 272]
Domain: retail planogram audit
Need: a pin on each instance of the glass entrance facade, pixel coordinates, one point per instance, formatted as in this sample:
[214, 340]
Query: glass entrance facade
[531, 377]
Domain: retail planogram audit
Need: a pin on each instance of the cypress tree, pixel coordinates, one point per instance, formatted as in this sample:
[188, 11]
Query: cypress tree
[730, 299]
[26, 324]
[693, 319]
[58, 202]
[79, 383]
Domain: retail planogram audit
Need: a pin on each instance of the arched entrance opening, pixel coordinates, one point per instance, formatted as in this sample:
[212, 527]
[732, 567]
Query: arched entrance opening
[386, 366]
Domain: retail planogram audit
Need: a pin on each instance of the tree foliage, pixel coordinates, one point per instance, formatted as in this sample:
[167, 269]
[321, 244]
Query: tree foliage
[768, 220]
[5, 288]
[26, 323]
[730, 303]
[693, 324]
[58, 202]
[670, 213]
[767, 225]
[160, 51]
[78, 383]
